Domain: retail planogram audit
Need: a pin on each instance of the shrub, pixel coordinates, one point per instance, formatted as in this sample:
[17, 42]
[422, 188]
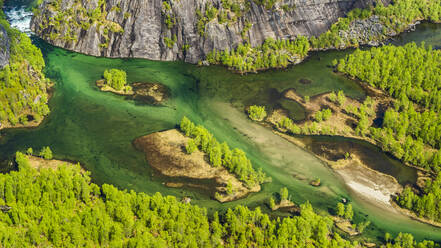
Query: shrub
[115, 78]
[46, 153]
[257, 113]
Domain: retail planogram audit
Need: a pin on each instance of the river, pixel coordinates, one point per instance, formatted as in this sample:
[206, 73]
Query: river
[97, 128]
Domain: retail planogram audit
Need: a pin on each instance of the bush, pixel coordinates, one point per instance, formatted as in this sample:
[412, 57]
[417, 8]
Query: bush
[115, 78]
[46, 153]
[191, 146]
[257, 113]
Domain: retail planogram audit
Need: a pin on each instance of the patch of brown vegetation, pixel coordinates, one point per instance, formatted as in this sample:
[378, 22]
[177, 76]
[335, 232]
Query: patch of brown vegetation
[103, 87]
[165, 151]
[153, 93]
[40, 163]
[276, 116]
[345, 226]
[285, 204]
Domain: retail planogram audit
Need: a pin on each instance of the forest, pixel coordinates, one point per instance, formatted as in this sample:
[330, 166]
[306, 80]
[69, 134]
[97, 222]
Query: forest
[410, 74]
[62, 208]
[427, 204]
[23, 86]
[220, 154]
[411, 128]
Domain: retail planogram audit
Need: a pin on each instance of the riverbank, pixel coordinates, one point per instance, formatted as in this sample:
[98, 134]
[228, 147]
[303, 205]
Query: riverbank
[412, 215]
[165, 152]
[366, 182]
[30, 124]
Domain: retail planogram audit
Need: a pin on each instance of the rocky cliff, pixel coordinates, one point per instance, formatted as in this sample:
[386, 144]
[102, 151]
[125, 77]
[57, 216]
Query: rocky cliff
[4, 47]
[180, 29]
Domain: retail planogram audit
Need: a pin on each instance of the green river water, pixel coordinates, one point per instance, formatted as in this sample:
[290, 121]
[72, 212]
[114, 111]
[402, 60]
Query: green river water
[97, 128]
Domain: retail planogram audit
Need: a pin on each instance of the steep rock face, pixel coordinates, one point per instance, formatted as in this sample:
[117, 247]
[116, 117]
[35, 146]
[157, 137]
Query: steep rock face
[179, 29]
[4, 47]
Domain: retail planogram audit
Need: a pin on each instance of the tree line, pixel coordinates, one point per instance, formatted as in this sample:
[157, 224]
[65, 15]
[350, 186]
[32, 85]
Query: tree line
[62, 208]
[427, 204]
[220, 154]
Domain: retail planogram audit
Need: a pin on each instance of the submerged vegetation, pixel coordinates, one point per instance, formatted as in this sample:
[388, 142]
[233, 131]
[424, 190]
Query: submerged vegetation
[23, 86]
[61, 207]
[235, 161]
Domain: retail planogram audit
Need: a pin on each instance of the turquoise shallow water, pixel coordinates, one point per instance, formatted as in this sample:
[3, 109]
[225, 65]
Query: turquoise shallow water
[97, 128]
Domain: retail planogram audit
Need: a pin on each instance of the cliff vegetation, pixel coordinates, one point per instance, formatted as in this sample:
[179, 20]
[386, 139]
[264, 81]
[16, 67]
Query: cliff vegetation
[23, 86]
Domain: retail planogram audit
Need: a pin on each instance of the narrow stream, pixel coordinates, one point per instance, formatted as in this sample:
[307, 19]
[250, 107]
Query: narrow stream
[98, 128]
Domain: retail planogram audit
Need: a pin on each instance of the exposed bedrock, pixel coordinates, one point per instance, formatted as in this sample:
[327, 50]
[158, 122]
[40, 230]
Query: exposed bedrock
[146, 33]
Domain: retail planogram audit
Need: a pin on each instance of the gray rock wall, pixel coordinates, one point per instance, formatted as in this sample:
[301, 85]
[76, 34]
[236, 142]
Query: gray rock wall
[145, 28]
[4, 47]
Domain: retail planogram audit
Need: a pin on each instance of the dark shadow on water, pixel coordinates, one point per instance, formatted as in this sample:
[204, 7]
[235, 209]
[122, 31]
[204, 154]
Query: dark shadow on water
[335, 148]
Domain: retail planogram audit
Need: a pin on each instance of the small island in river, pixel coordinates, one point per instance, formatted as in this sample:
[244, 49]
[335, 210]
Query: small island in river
[115, 81]
[165, 151]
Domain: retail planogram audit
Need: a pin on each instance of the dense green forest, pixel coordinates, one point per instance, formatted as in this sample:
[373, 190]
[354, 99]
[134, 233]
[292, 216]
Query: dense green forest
[234, 160]
[394, 18]
[411, 128]
[62, 208]
[23, 87]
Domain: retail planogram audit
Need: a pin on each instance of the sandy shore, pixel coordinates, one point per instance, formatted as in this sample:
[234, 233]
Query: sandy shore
[370, 184]
[366, 182]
